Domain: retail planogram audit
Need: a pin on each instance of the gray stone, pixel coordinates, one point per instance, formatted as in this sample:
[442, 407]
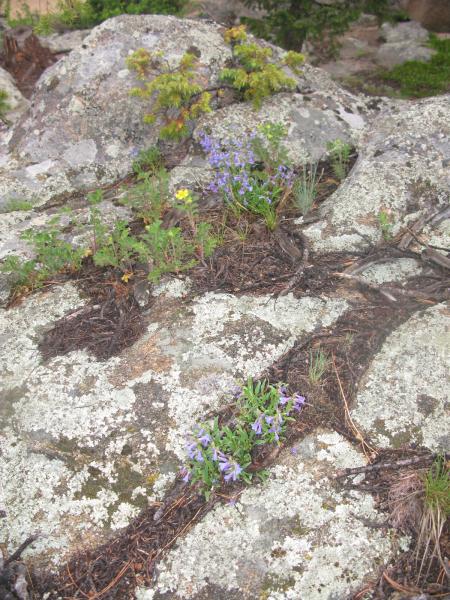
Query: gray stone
[285, 539]
[17, 102]
[400, 170]
[391, 55]
[409, 31]
[83, 128]
[64, 423]
[403, 397]
[64, 42]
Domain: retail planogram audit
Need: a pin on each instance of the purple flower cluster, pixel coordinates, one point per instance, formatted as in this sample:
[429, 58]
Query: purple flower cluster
[276, 421]
[236, 174]
[198, 441]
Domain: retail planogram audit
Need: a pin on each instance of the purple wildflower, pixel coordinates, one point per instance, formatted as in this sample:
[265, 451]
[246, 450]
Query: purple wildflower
[299, 402]
[233, 472]
[257, 425]
[186, 474]
[204, 438]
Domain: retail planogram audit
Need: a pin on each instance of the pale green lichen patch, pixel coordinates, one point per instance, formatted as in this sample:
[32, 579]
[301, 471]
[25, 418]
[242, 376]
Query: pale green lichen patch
[106, 438]
[252, 547]
[400, 170]
[398, 270]
[403, 398]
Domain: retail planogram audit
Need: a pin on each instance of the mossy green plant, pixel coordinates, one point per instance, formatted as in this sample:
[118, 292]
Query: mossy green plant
[420, 79]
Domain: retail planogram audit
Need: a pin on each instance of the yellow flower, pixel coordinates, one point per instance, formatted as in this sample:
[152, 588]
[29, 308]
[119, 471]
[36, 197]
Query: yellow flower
[87, 252]
[126, 277]
[182, 194]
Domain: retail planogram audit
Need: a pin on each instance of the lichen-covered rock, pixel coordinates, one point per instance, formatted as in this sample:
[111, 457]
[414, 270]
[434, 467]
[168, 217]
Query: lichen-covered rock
[85, 444]
[403, 397]
[402, 170]
[83, 128]
[17, 102]
[64, 42]
[286, 539]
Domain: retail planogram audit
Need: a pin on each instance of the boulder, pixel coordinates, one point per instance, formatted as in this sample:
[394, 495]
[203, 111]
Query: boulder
[402, 168]
[432, 14]
[410, 31]
[393, 54]
[17, 102]
[402, 398]
[83, 128]
[284, 540]
[60, 43]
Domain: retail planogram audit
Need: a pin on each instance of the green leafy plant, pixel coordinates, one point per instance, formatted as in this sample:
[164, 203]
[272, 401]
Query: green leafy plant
[166, 251]
[304, 189]
[53, 255]
[318, 365]
[222, 452]
[385, 225]
[149, 197]
[148, 160]
[339, 152]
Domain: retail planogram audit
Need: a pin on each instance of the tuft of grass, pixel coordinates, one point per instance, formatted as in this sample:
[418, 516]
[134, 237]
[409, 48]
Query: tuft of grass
[305, 189]
[385, 225]
[436, 511]
[420, 79]
[318, 365]
[339, 152]
[17, 205]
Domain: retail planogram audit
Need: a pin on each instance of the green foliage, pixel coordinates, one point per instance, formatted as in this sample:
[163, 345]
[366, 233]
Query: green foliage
[289, 23]
[419, 79]
[166, 250]
[80, 14]
[223, 452]
[437, 487]
[17, 205]
[169, 89]
[318, 365]
[178, 99]
[4, 105]
[150, 195]
[305, 189]
[147, 160]
[104, 9]
[53, 256]
[70, 14]
[269, 146]
[385, 225]
[254, 74]
[339, 152]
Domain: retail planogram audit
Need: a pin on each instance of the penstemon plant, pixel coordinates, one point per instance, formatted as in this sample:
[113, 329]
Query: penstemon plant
[222, 453]
[253, 174]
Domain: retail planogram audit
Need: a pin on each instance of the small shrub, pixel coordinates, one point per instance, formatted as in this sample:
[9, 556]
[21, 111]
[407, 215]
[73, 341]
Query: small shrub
[219, 453]
[169, 89]
[147, 160]
[339, 155]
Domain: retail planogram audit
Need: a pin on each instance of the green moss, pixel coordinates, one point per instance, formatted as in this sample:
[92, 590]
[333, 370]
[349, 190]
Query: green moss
[420, 79]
